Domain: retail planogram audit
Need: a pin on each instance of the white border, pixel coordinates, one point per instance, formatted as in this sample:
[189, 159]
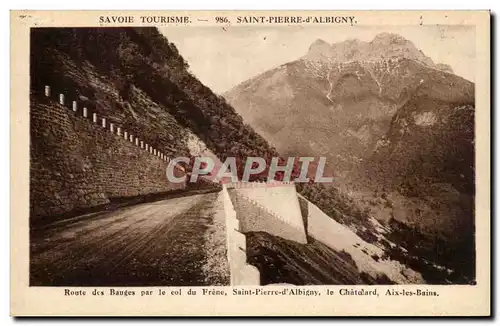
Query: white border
[191, 5]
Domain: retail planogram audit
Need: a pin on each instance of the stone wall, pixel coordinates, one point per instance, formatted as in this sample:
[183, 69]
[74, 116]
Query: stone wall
[241, 272]
[272, 208]
[79, 160]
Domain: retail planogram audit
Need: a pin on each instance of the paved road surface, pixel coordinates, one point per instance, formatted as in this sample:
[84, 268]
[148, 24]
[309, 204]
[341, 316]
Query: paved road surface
[160, 243]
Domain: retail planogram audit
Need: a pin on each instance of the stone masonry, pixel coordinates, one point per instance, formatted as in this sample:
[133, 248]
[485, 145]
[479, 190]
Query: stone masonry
[77, 162]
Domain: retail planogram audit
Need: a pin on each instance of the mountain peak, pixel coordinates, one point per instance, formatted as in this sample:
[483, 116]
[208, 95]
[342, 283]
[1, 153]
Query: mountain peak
[382, 47]
[390, 38]
[444, 67]
[319, 42]
[319, 50]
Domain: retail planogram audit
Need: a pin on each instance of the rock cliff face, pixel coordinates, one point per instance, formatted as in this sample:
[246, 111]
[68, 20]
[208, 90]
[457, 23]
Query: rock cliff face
[339, 105]
[396, 128]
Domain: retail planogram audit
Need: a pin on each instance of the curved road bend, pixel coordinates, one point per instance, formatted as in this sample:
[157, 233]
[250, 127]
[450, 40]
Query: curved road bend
[154, 244]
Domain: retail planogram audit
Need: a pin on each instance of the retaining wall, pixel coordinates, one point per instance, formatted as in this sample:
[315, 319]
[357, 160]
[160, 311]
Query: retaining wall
[80, 160]
[241, 272]
[269, 207]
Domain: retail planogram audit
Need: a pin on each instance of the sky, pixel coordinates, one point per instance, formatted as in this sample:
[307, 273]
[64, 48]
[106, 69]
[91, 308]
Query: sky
[223, 58]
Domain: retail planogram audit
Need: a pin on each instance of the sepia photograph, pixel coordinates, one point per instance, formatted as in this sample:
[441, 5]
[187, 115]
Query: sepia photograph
[252, 155]
[250, 163]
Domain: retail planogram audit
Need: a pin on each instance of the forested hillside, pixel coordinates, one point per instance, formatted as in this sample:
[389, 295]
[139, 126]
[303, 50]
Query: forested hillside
[143, 78]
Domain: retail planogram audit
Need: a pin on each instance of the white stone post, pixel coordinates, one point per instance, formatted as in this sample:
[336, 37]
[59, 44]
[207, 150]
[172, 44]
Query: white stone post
[125, 135]
[61, 99]
[85, 113]
[75, 106]
[136, 141]
[47, 91]
[119, 131]
[131, 137]
[142, 143]
[147, 147]
[104, 122]
[94, 117]
[112, 128]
